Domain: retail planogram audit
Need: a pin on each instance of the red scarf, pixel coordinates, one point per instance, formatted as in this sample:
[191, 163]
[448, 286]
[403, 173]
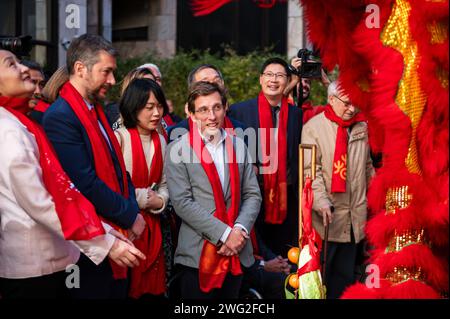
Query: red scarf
[275, 183]
[168, 120]
[213, 267]
[339, 177]
[228, 126]
[103, 162]
[41, 106]
[75, 213]
[149, 277]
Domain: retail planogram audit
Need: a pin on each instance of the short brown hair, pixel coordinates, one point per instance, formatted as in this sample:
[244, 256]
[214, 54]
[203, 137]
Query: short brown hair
[204, 88]
[86, 48]
[51, 89]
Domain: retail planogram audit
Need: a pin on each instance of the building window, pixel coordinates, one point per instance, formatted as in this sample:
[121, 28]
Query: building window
[243, 25]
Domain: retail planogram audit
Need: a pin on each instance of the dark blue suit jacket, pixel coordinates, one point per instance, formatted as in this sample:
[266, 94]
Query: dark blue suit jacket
[175, 131]
[247, 112]
[74, 150]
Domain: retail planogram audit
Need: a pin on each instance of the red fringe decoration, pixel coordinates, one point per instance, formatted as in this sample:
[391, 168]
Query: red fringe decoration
[205, 7]
[370, 73]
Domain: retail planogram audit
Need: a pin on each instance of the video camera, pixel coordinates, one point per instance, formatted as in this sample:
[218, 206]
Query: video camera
[20, 46]
[308, 69]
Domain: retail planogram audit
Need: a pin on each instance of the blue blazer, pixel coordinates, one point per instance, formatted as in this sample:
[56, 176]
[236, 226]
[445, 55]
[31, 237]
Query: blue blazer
[247, 112]
[74, 150]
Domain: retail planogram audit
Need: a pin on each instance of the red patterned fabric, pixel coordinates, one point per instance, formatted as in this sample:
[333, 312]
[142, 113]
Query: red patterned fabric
[103, 162]
[149, 277]
[274, 160]
[339, 178]
[75, 213]
[213, 267]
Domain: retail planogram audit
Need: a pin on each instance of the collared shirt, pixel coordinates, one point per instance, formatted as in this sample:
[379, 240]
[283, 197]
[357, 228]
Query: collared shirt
[217, 152]
[102, 129]
[218, 155]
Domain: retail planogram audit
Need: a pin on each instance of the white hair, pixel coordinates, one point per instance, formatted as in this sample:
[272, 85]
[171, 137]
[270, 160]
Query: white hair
[150, 65]
[333, 88]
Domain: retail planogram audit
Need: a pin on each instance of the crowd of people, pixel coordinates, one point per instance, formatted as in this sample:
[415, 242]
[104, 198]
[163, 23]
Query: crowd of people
[149, 205]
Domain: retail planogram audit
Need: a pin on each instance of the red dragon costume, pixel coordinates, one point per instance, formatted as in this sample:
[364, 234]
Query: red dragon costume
[393, 62]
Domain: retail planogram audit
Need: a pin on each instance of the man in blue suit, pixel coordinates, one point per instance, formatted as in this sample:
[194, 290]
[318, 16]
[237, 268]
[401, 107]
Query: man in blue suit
[270, 112]
[89, 153]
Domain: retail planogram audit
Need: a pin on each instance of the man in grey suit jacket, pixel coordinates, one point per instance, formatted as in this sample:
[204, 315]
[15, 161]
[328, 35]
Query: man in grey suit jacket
[192, 195]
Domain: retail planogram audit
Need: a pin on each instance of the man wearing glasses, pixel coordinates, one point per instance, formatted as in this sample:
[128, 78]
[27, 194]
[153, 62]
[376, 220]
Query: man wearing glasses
[277, 125]
[343, 171]
[214, 191]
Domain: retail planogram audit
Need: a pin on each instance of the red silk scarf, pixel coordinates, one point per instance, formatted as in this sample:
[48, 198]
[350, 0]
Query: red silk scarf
[339, 176]
[213, 267]
[103, 162]
[168, 120]
[274, 160]
[149, 277]
[41, 106]
[75, 213]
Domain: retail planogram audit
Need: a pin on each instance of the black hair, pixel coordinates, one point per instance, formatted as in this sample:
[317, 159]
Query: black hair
[32, 65]
[135, 98]
[276, 60]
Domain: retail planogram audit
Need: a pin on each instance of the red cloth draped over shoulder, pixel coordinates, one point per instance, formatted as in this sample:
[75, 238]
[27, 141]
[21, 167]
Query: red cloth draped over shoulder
[76, 214]
[103, 162]
[150, 276]
[213, 267]
[274, 160]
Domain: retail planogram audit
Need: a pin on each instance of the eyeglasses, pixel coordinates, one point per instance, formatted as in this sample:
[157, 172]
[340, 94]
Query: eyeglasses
[205, 111]
[346, 103]
[270, 75]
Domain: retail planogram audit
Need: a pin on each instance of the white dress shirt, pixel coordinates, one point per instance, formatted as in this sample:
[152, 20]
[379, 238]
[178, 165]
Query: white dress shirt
[217, 152]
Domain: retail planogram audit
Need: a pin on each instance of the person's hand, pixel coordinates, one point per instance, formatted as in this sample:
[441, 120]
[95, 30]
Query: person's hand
[296, 62]
[153, 200]
[278, 264]
[326, 215]
[325, 80]
[138, 227]
[225, 251]
[124, 254]
[119, 235]
[236, 240]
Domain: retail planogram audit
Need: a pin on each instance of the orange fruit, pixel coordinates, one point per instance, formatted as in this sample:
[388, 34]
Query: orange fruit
[293, 255]
[293, 281]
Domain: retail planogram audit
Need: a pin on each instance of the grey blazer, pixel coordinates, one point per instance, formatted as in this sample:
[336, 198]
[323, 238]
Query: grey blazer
[192, 198]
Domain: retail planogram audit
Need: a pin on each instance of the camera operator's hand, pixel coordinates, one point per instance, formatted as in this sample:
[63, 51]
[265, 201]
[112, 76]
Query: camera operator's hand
[296, 63]
[325, 80]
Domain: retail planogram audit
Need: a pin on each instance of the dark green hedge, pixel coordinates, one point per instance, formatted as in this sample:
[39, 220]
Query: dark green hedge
[241, 74]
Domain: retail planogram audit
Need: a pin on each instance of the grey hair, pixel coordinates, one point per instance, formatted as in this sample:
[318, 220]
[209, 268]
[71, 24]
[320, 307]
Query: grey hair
[333, 88]
[150, 65]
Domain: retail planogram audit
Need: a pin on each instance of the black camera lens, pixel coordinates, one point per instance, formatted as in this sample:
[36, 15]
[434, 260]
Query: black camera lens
[18, 45]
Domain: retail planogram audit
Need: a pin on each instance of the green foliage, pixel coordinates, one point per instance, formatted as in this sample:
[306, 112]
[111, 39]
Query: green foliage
[241, 74]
